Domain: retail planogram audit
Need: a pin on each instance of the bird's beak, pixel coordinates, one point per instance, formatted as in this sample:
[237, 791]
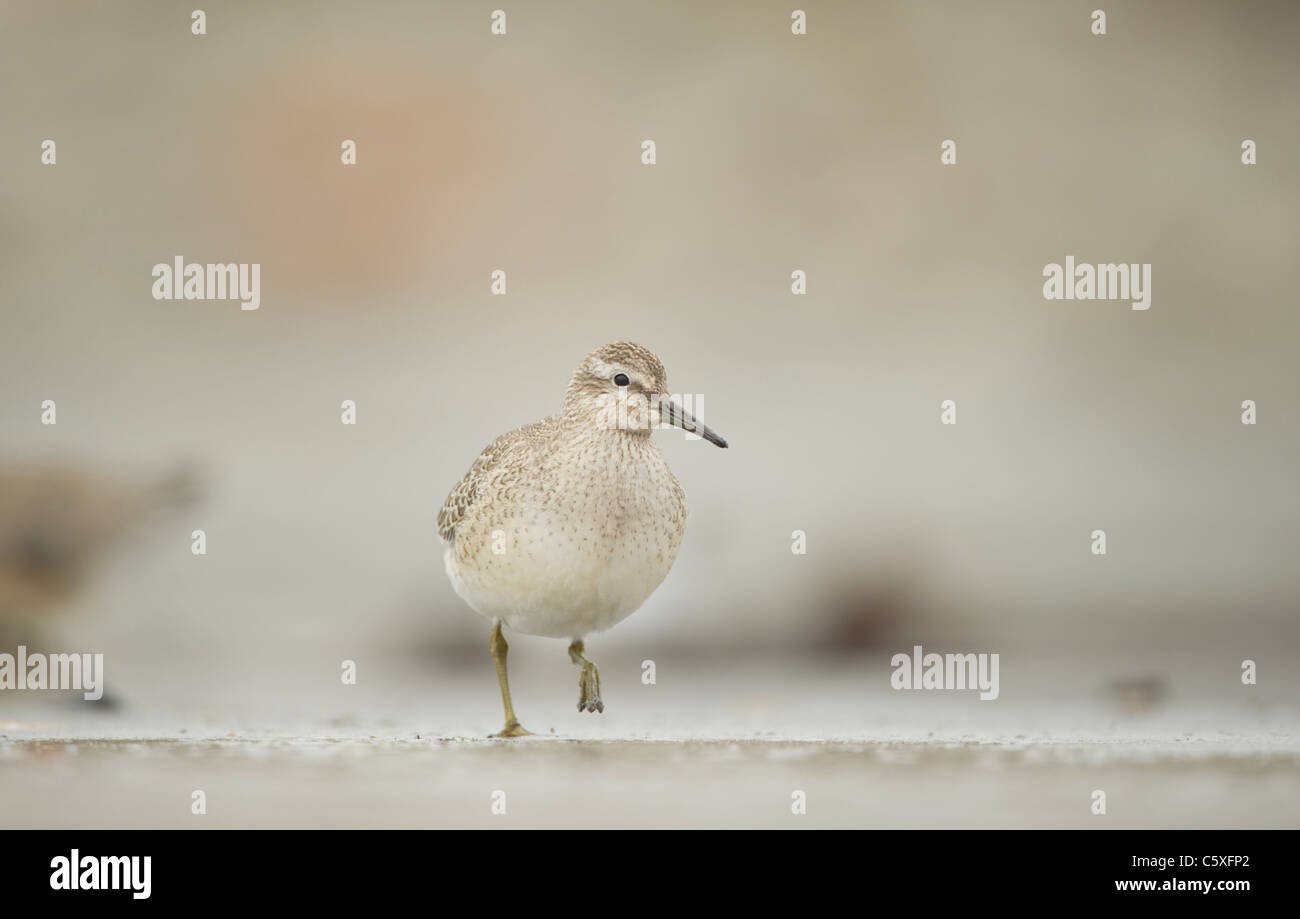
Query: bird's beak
[672, 413]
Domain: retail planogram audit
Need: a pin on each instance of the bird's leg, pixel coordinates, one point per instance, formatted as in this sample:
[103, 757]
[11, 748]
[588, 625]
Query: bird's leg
[499, 648]
[588, 682]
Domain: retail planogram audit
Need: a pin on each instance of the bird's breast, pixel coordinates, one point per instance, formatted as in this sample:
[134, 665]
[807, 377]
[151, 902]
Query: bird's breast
[580, 548]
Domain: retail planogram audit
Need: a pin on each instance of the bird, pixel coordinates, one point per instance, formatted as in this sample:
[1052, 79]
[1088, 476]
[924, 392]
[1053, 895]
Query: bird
[59, 521]
[564, 527]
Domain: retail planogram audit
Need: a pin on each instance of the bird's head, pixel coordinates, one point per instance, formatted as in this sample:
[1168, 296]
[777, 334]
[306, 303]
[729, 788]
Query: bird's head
[624, 387]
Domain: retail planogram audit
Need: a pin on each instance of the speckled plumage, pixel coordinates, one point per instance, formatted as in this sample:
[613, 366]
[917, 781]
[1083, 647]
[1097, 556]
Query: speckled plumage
[564, 527]
[586, 517]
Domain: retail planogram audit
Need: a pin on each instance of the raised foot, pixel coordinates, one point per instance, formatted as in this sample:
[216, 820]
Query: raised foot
[513, 729]
[589, 689]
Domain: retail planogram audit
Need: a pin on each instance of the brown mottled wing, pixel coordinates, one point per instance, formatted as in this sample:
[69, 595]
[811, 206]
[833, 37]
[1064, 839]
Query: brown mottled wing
[464, 495]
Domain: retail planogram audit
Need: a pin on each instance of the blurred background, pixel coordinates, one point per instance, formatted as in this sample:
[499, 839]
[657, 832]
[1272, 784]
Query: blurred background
[774, 153]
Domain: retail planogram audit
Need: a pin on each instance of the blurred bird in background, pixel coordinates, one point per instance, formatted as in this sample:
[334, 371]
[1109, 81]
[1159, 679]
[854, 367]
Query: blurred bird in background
[59, 521]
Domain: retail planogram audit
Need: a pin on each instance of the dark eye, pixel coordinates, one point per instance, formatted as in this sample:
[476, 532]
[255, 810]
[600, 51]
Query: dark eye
[620, 379]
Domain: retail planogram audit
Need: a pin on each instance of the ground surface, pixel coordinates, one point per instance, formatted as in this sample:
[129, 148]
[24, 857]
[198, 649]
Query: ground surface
[728, 747]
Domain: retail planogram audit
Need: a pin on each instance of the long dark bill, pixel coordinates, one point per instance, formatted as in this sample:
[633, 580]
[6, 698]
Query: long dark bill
[674, 414]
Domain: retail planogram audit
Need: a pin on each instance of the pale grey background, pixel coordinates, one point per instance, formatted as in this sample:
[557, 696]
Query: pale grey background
[774, 153]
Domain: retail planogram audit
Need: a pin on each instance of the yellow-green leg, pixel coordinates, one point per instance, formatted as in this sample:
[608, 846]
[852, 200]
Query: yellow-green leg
[588, 681]
[499, 649]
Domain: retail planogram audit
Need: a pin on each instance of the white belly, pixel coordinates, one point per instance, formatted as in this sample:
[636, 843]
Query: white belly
[567, 570]
[558, 594]
[576, 545]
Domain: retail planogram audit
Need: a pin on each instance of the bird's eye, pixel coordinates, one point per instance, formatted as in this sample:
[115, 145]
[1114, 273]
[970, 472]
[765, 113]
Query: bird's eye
[620, 379]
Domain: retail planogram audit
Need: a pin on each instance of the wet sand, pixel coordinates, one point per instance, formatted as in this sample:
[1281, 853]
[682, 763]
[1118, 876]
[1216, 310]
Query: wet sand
[862, 756]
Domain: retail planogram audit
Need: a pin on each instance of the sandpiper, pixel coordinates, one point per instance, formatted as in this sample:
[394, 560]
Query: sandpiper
[564, 527]
[57, 522]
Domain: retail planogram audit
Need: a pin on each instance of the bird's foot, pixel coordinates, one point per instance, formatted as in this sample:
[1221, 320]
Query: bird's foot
[589, 689]
[513, 729]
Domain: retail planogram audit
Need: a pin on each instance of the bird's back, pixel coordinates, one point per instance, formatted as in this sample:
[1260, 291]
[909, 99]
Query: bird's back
[505, 456]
